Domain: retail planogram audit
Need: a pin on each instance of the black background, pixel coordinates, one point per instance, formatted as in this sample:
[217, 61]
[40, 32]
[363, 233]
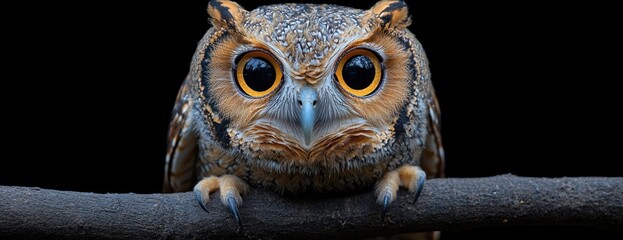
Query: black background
[525, 88]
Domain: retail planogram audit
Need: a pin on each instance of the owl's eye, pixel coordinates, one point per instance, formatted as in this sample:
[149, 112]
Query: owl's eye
[257, 74]
[359, 72]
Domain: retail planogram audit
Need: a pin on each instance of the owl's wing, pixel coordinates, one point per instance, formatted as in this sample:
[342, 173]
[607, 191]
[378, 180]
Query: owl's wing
[179, 174]
[433, 158]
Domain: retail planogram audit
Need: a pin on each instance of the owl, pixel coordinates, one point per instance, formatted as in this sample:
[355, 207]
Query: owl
[305, 98]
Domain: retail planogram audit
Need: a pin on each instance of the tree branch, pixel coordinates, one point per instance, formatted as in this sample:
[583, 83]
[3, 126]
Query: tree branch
[445, 204]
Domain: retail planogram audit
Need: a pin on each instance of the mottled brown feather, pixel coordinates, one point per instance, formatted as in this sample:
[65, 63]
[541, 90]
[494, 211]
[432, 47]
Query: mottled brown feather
[182, 148]
[433, 157]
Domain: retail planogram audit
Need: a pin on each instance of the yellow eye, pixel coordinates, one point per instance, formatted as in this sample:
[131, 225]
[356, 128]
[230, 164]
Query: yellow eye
[257, 74]
[359, 72]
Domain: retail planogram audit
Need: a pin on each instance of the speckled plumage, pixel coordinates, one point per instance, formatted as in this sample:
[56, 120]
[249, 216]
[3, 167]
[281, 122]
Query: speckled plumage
[357, 141]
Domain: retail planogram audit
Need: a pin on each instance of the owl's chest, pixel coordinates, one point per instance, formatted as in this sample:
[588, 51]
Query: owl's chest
[323, 180]
[218, 162]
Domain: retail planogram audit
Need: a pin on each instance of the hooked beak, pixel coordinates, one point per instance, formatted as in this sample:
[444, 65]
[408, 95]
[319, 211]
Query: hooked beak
[307, 101]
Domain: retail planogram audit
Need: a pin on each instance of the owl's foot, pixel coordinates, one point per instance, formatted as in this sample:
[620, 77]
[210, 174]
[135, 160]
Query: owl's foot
[410, 177]
[231, 188]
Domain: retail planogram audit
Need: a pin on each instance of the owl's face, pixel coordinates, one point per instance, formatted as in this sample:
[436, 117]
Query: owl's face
[302, 85]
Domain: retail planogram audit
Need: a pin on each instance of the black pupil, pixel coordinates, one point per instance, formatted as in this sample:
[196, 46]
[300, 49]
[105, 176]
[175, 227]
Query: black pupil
[358, 72]
[259, 74]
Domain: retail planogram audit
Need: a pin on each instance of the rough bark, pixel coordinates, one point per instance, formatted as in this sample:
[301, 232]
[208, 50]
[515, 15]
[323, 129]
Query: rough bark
[445, 204]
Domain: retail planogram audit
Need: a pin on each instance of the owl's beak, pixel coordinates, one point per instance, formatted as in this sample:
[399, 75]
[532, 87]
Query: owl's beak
[307, 101]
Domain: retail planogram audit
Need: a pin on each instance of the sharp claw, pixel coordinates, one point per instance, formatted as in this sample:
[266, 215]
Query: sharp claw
[233, 207]
[200, 200]
[420, 184]
[385, 206]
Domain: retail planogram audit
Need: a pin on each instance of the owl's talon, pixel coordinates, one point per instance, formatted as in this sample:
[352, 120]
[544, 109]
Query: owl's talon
[386, 190]
[408, 176]
[233, 207]
[386, 201]
[421, 178]
[230, 186]
[200, 200]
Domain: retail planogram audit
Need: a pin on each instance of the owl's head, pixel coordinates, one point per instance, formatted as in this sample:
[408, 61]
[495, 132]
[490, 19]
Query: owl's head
[301, 85]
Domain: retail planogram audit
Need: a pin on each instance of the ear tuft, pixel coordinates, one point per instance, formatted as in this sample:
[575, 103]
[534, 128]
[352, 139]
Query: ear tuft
[223, 12]
[392, 13]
